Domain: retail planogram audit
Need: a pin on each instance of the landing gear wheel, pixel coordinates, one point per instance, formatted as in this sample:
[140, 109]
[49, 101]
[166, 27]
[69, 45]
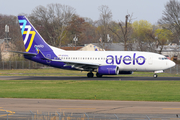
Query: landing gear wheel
[90, 75]
[98, 75]
[155, 75]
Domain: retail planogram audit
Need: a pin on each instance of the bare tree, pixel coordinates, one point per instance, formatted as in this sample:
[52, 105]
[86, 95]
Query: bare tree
[52, 21]
[14, 31]
[171, 18]
[16, 42]
[103, 23]
[126, 31]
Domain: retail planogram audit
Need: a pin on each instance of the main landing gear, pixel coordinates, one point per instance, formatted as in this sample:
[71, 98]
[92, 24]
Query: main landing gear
[98, 75]
[91, 75]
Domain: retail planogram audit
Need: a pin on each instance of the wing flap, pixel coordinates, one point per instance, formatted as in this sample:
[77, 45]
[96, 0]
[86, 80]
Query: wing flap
[76, 64]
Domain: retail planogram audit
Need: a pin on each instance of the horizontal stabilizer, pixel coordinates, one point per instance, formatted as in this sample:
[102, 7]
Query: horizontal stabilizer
[24, 53]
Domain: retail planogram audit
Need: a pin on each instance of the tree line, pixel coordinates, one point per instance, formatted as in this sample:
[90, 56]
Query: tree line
[59, 24]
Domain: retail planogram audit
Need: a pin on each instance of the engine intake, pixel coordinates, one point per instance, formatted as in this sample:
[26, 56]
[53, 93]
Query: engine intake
[108, 70]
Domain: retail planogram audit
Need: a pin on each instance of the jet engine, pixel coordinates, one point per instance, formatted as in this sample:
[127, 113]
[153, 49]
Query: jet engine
[108, 70]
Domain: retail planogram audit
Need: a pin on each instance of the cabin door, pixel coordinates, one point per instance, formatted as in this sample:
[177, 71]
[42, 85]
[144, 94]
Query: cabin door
[150, 60]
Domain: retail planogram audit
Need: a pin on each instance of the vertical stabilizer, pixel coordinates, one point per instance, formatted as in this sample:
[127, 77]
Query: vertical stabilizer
[32, 39]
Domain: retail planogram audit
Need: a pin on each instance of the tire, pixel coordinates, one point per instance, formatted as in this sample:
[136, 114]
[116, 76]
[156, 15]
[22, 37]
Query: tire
[98, 75]
[90, 75]
[155, 75]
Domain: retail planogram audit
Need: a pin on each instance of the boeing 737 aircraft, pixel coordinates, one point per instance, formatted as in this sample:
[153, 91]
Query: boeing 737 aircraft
[100, 62]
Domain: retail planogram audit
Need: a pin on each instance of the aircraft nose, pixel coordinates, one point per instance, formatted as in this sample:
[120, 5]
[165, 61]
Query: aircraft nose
[171, 63]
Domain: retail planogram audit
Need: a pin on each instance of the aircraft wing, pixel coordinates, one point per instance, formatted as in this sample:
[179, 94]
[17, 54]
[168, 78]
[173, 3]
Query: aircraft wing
[79, 65]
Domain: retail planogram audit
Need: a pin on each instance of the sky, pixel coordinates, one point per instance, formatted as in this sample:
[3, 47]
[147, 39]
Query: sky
[150, 10]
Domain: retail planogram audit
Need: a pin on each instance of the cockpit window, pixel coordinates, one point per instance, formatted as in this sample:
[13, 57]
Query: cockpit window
[163, 58]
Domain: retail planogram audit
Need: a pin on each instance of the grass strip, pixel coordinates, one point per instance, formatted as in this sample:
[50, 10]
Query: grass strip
[103, 90]
[60, 72]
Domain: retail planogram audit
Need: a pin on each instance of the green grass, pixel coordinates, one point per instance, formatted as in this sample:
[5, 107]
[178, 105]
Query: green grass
[104, 90]
[41, 72]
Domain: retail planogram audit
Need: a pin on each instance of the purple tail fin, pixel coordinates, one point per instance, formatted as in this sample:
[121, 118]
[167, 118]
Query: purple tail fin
[32, 39]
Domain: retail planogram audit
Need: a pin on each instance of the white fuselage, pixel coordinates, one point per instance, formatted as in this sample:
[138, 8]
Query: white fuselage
[125, 60]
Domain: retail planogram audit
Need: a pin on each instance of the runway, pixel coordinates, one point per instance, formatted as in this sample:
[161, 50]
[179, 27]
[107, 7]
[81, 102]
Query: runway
[85, 78]
[89, 106]
[122, 109]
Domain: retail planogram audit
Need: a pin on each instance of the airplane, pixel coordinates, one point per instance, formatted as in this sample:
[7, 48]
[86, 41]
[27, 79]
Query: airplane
[100, 62]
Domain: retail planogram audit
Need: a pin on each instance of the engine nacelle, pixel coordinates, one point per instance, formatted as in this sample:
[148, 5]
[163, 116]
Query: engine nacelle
[108, 70]
[125, 72]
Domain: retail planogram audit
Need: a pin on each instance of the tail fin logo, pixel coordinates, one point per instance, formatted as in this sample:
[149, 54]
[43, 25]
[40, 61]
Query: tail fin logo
[29, 35]
[37, 50]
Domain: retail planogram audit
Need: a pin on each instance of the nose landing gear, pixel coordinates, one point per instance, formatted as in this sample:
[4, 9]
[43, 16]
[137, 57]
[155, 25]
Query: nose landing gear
[155, 75]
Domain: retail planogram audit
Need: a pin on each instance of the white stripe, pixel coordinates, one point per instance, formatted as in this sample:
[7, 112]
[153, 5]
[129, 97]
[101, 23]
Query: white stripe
[28, 31]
